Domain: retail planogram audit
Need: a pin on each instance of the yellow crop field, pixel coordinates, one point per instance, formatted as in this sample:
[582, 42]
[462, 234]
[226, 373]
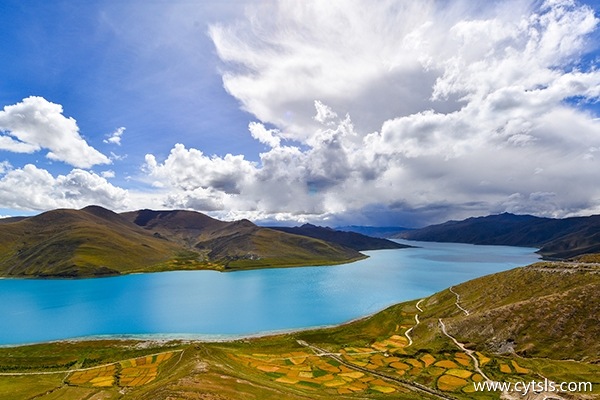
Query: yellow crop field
[436, 371]
[518, 368]
[461, 373]
[400, 365]
[505, 368]
[450, 371]
[100, 377]
[449, 383]
[463, 359]
[353, 375]
[384, 389]
[414, 363]
[139, 371]
[446, 364]
[428, 359]
[132, 372]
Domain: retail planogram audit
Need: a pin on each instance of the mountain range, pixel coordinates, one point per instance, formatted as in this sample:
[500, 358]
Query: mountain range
[353, 240]
[95, 241]
[555, 238]
[373, 231]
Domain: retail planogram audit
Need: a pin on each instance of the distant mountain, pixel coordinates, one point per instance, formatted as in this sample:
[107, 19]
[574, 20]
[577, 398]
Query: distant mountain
[351, 240]
[97, 242]
[373, 231]
[556, 238]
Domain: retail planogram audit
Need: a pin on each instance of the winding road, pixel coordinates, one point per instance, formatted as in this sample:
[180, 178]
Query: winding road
[458, 301]
[407, 333]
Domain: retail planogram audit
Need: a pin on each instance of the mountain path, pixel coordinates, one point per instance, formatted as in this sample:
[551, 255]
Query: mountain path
[407, 333]
[505, 395]
[458, 301]
[464, 349]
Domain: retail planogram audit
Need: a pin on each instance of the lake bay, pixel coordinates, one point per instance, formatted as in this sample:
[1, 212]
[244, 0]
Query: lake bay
[211, 305]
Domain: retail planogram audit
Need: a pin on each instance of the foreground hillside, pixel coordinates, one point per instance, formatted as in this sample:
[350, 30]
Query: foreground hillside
[556, 238]
[538, 323]
[98, 242]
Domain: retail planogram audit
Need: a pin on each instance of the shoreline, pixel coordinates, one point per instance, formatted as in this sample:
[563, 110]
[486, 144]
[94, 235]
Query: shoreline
[220, 337]
[220, 270]
[197, 338]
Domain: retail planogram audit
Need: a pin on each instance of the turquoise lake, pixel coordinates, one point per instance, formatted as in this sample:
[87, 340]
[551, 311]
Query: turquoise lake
[213, 305]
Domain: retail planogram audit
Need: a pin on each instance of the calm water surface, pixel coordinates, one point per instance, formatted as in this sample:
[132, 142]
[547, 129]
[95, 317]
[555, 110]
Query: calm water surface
[212, 304]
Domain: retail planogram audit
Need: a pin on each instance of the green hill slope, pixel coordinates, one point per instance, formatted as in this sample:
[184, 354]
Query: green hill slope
[98, 242]
[543, 310]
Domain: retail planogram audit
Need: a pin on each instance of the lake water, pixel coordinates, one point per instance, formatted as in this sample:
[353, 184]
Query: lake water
[211, 304]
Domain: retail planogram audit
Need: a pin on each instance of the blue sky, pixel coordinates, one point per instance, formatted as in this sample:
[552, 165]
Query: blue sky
[342, 112]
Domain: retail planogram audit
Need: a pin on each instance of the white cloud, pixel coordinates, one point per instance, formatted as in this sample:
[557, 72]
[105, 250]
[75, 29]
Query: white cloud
[4, 167]
[32, 188]
[36, 123]
[117, 157]
[267, 136]
[454, 112]
[325, 115]
[108, 174]
[115, 137]
[191, 169]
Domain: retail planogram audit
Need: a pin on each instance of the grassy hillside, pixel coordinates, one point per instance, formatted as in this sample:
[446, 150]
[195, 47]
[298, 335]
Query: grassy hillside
[98, 242]
[74, 243]
[544, 310]
[528, 324]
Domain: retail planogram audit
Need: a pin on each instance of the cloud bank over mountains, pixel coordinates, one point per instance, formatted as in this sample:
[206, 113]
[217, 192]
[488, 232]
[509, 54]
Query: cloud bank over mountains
[374, 113]
[445, 111]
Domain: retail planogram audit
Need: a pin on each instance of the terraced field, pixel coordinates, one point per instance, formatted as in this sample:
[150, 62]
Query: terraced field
[365, 370]
[132, 372]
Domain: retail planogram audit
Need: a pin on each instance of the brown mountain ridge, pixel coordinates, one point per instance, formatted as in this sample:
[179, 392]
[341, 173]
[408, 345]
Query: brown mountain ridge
[95, 241]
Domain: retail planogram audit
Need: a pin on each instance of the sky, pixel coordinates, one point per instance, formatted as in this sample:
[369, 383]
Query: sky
[387, 113]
